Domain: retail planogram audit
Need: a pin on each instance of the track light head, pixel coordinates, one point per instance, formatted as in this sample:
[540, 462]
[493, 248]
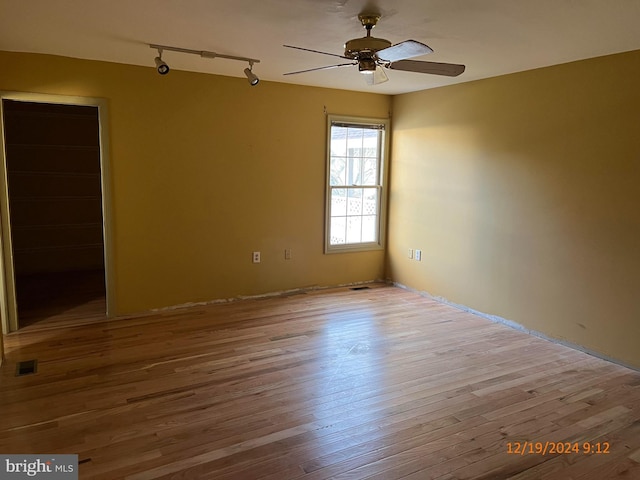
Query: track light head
[252, 77]
[161, 65]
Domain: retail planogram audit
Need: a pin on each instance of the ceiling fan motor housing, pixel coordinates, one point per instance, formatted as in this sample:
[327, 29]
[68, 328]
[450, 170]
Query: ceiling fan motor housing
[364, 47]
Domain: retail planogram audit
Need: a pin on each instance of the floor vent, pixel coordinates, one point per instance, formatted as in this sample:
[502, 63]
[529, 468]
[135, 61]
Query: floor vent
[26, 368]
[360, 288]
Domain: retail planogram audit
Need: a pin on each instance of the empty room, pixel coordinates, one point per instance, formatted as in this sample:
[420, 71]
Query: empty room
[345, 239]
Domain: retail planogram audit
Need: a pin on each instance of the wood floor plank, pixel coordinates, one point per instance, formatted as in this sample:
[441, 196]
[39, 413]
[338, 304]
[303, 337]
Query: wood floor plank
[337, 383]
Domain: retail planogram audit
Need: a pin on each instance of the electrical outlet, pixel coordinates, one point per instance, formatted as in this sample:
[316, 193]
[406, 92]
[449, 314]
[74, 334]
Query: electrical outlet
[256, 257]
[418, 255]
[287, 254]
[411, 253]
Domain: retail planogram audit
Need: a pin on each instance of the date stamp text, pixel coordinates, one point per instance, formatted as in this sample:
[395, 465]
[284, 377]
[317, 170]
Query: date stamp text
[555, 448]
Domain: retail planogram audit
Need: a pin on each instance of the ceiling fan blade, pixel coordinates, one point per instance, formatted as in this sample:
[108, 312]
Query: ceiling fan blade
[317, 51]
[403, 50]
[377, 76]
[434, 68]
[320, 68]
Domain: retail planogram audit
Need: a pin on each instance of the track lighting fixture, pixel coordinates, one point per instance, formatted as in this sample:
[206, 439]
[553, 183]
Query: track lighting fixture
[252, 77]
[163, 68]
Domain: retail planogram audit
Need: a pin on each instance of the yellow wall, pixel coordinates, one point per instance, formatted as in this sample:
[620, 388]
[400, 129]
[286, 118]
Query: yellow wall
[207, 169]
[523, 193]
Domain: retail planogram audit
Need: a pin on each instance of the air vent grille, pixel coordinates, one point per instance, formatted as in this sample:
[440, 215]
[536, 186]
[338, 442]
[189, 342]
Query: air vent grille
[26, 368]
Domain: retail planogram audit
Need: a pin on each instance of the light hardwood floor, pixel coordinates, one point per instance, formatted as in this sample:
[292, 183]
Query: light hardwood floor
[378, 383]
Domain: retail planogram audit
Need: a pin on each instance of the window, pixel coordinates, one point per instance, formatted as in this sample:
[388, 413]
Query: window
[356, 161]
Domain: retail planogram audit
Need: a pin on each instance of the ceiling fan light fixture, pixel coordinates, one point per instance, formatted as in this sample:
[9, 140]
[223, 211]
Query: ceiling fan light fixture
[367, 66]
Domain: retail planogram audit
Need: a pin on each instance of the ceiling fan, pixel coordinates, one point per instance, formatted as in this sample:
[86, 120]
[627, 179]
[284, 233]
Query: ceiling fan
[372, 55]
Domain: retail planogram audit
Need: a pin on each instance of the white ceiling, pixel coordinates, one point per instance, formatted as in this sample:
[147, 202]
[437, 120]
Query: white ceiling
[491, 37]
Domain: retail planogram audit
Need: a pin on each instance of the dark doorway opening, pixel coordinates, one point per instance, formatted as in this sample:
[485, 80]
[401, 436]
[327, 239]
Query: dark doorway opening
[55, 209]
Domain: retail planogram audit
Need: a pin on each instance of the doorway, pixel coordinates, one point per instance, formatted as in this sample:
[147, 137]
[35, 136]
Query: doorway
[53, 229]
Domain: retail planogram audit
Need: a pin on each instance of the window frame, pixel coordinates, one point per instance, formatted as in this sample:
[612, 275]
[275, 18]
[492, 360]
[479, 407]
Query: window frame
[383, 125]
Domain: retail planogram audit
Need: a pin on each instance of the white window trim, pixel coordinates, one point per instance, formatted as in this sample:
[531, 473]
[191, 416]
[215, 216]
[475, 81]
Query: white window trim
[383, 172]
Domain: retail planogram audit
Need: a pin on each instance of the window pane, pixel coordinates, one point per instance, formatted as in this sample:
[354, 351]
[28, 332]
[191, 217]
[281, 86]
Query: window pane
[355, 171]
[370, 143]
[354, 229]
[369, 228]
[370, 171]
[338, 234]
[354, 141]
[370, 151]
[339, 141]
[370, 201]
[338, 202]
[354, 202]
[338, 170]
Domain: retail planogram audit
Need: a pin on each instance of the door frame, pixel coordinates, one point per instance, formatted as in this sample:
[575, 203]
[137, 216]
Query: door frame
[8, 303]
